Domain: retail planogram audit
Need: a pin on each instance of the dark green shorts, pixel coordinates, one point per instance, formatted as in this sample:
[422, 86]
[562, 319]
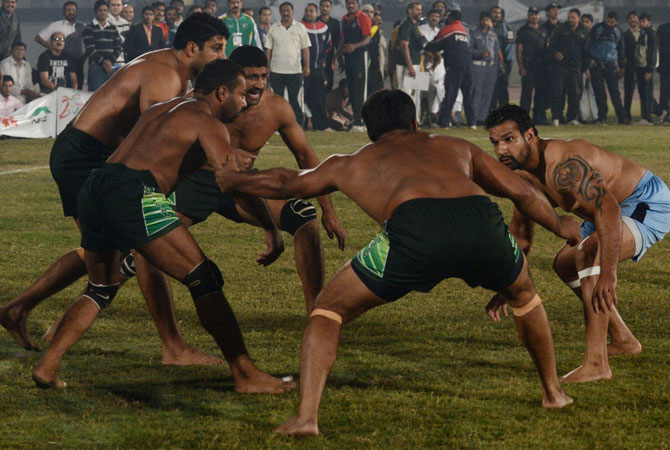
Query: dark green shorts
[122, 208]
[73, 156]
[199, 196]
[427, 240]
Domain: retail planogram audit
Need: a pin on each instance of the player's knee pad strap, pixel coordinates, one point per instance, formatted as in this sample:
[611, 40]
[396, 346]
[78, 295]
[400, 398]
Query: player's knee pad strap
[205, 279]
[128, 266]
[296, 213]
[528, 307]
[102, 295]
[332, 315]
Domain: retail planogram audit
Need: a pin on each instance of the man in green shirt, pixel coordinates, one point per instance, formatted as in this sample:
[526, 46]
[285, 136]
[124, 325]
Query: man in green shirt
[409, 47]
[241, 26]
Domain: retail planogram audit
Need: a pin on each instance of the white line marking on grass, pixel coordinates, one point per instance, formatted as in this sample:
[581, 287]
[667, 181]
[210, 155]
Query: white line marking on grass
[29, 169]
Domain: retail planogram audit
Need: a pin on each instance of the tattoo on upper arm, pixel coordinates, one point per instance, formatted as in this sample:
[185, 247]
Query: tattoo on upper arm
[575, 175]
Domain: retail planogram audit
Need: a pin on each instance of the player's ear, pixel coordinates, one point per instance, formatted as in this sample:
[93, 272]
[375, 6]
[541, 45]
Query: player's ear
[222, 93]
[191, 48]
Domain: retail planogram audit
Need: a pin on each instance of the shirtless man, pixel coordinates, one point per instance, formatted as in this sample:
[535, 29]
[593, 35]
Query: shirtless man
[626, 210]
[199, 196]
[123, 205]
[87, 142]
[430, 198]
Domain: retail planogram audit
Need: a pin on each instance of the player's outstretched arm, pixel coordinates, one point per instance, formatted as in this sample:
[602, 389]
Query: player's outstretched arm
[497, 179]
[574, 176]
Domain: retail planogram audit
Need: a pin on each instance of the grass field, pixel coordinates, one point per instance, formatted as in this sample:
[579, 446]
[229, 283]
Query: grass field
[428, 371]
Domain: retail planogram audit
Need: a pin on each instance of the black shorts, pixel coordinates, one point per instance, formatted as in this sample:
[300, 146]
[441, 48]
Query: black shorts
[199, 196]
[122, 208]
[73, 156]
[427, 240]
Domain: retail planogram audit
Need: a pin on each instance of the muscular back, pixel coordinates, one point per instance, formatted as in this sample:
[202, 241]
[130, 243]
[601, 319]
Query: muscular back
[578, 174]
[113, 109]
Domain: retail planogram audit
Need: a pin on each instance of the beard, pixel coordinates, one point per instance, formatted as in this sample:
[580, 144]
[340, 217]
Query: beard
[514, 163]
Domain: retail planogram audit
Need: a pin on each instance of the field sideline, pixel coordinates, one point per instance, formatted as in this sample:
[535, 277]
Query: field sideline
[429, 371]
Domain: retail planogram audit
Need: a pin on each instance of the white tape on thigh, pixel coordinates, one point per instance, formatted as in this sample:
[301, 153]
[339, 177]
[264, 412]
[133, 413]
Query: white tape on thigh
[589, 272]
[574, 284]
[635, 231]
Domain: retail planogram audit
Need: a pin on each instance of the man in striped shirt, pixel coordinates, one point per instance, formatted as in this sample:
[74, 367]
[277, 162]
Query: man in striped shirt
[103, 46]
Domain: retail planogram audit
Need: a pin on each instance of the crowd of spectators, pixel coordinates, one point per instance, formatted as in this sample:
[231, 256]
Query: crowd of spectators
[456, 73]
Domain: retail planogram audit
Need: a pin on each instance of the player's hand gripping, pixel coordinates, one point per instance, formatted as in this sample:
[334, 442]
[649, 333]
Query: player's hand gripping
[225, 174]
[275, 247]
[604, 294]
[243, 159]
[333, 227]
[493, 307]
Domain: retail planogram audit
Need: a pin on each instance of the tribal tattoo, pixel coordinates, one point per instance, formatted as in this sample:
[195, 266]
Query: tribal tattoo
[576, 176]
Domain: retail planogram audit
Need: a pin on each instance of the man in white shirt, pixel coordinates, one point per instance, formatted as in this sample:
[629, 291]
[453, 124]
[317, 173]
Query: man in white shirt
[71, 30]
[287, 43]
[121, 24]
[8, 103]
[432, 26]
[19, 69]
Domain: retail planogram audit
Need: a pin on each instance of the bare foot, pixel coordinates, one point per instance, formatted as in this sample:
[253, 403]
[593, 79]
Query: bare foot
[294, 427]
[262, 383]
[557, 401]
[630, 347]
[586, 373]
[15, 322]
[46, 381]
[189, 357]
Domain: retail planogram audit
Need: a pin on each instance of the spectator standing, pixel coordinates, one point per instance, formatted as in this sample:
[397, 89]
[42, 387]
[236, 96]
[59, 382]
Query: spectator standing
[375, 52]
[103, 46]
[179, 4]
[485, 60]
[8, 103]
[506, 40]
[454, 42]
[315, 87]
[338, 107]
[630, 38]
[646, 56]
[664, 70]
[213, 6]
[432, 26]
[159, 18]
[608, 66]
[74, 45]
[55, 66]
[546, 67]
[171, 16]
[143, 37]
[264, 22]
[530, 42]
[588, 109]
[10, 28]
[410, 43]
[122, 25]
[441, 7]
[19, 69]
[325, 7]
[242, 27]
[356, 30]
[288, 44]
[571, 49]
[128, 13]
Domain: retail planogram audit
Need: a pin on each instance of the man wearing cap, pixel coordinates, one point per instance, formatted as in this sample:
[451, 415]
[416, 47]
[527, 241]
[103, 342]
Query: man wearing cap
[545, 66]
[530, 42]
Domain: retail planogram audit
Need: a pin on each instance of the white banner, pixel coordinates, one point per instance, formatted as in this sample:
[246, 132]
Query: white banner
[45, 116]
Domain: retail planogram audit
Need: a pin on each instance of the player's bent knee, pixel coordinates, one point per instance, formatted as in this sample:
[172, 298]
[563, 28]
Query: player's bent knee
[128, 269]
[296, 213]
[528, 307]
[204, 280]
[332, 315]
[102, 295]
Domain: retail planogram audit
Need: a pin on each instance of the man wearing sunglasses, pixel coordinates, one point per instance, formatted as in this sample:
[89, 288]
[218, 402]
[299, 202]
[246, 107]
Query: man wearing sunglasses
[55, 66]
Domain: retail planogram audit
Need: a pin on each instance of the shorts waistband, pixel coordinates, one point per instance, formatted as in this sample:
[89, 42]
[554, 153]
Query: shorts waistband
[145, 176]
[90, 141]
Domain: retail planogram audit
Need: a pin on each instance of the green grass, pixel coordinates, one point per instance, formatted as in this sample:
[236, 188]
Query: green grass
[428, 371]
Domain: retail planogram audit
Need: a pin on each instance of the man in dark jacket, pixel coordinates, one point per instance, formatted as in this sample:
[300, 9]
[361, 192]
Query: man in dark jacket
[325, 7]
[545, 67]
[630, 38]
[10, 28]
[646, 53]
[570, 47]
[144, 37]
[607, 66]
[664, 69]
[530, 44]
[322, 45]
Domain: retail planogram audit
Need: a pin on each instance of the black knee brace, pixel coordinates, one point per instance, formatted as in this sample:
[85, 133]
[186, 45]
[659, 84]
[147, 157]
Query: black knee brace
[101, 295]
[296, 213]
[128, 266]
[205, 279]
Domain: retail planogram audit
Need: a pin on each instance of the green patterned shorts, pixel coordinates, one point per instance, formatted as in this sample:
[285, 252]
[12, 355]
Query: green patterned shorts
[122, 208]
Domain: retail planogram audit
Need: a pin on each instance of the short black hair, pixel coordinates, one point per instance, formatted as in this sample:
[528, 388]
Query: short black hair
[155, 4]
[434, 11]
[170, 8]
[20, 44]
[631, 13]
[326, 1]
[484, 14]
[314, 5]
[263, 8]
[181, 2]
[8, 78]
[148, 8]
[440, 1]
[455, 14]
[588, 17]
[199, 28]
[513, 113]
[575, 10]
[70, 2]
[99, 3]
[285, 4]
[220, 72]
[376, 115]
[645, 16]
[613, 15]
[249, 56]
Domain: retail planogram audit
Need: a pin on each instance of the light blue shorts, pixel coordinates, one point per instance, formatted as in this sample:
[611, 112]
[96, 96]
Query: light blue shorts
[646, 213]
